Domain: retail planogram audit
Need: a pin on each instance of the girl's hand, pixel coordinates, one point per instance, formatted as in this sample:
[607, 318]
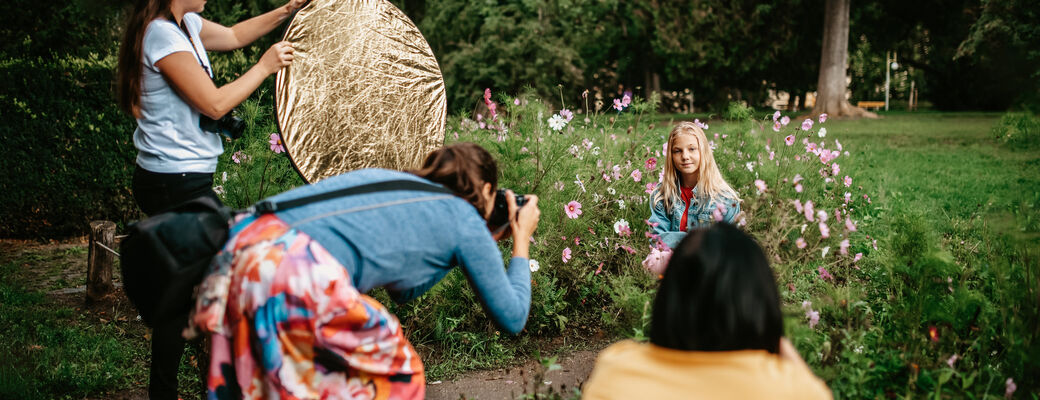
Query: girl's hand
[278, 56]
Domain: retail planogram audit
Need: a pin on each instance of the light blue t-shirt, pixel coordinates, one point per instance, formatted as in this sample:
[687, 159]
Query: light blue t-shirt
[168, 137]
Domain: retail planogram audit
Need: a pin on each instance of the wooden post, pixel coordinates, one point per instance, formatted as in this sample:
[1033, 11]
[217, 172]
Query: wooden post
[100, 259]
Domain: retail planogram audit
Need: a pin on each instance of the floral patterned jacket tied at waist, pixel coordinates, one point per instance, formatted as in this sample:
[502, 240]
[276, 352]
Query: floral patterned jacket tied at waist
[702, 212]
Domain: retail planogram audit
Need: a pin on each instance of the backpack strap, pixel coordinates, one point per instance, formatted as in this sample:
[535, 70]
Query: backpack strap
[268, 206]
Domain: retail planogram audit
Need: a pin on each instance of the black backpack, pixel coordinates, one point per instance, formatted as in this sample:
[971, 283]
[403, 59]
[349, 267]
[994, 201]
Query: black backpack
[165, 256]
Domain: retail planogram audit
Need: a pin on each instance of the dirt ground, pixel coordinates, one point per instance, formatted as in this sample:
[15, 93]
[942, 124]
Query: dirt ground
[59, 268]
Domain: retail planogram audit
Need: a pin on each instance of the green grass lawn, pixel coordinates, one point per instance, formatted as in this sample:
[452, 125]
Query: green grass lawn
[955, 214]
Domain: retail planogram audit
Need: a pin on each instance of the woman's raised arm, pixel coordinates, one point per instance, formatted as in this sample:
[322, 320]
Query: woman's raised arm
[186, 76]
[218, 37]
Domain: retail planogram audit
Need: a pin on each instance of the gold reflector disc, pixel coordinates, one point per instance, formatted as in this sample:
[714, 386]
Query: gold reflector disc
[364, 90]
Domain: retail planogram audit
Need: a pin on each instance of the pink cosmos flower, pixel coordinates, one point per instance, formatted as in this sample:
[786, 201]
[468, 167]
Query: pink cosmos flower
[276, 143]
[776, 126]
[800, 242]
[824, 274]
[808, 211]
[700, 124]
[761, 185]
[572, 209]
[776, 115]
[798, 205]
[823, 118]
[785, 120]
[797, 178]
[618, 105]
[858, 257]
[565, 113]
[772, 155]
[516, 101]
[606, 177]
[558, 185]
[616, 172]
[807, 124]
[837, 144]
[1009, 388]
[814, 318]
[566, 255]
[798, 187]
[952, 360]
[848, 197]
[844, 247]
[626, 99]
[238, 157]
[789, 140]
[492, 107]
[835, 169]
[849, 225]
[822, 215]
[636, 175]
[650, 186]
[810, 148]
[848, 181]
[621, 228]
[825, 232]
[651, 163]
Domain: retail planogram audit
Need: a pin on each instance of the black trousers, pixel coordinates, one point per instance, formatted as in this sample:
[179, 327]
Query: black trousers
[154, 193]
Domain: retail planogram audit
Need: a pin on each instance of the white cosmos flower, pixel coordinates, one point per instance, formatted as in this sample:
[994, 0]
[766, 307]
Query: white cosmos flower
[556, 122]
[620, 223]
[534, 265]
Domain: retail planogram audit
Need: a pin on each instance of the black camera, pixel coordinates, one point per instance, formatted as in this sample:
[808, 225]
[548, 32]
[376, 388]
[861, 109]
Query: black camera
[500, 211]
[229, 125]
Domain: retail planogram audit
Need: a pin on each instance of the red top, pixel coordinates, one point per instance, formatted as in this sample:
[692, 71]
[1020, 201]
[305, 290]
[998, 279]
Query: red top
[687, 195]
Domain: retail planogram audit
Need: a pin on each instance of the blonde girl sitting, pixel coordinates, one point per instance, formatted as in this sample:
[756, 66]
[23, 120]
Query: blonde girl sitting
[693, 193]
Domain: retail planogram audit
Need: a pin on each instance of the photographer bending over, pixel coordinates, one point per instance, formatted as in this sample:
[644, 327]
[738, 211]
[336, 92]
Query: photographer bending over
[165, 82]
[284, 300]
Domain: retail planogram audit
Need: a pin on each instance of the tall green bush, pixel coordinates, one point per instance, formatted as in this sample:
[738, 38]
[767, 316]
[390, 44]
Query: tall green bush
[69, 153]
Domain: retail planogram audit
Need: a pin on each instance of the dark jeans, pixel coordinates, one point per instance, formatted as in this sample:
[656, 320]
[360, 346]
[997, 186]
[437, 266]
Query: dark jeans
[155, 193]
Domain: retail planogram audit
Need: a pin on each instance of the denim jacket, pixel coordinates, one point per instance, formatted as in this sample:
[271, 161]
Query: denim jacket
[700, 215]
[407, 241]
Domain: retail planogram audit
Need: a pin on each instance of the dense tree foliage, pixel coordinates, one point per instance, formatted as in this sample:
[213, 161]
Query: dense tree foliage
[59, 59]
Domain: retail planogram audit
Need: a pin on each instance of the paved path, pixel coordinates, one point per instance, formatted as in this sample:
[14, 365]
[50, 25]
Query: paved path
[510, 383]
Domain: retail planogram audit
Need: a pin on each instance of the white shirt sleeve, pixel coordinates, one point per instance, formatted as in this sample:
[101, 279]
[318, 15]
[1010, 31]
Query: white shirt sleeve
[161, 39]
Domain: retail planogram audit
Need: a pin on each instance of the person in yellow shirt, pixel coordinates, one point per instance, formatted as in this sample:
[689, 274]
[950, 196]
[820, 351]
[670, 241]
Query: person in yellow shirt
[715, 333]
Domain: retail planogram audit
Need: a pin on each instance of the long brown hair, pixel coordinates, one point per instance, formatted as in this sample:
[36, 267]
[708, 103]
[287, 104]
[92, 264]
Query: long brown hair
[129, 68]
[463, 168]
[710, 184]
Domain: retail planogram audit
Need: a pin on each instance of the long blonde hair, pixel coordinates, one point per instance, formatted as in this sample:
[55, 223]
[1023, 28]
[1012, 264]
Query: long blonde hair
[710, 183]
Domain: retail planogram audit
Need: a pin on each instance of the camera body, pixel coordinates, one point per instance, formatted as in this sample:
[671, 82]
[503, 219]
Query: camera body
[228, 126]
[500, 211]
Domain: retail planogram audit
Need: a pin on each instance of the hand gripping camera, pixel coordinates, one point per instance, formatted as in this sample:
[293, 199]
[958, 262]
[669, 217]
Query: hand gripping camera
[500, 212]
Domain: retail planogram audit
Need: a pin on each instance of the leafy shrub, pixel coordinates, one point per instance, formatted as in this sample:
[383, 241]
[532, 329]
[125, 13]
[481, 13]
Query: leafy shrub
[69, 153]
[1018, 130]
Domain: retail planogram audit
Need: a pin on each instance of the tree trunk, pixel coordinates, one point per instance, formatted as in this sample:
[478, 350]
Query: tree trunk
[832, 84]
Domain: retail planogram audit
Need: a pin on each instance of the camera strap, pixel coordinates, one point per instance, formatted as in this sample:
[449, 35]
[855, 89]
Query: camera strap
[267, 206]
[193, 48]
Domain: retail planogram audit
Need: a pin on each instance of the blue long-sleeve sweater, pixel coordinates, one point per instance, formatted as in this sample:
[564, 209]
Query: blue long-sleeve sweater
[407, 241]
